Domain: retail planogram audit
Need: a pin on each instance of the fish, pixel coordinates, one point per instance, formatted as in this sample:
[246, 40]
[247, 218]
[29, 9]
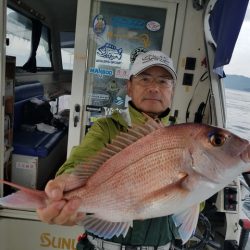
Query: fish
[148, 172]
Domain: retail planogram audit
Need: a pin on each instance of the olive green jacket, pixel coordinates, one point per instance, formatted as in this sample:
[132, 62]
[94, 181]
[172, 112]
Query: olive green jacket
[150, 232]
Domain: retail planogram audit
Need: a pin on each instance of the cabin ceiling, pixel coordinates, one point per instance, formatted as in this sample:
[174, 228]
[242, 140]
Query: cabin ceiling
[60, 13]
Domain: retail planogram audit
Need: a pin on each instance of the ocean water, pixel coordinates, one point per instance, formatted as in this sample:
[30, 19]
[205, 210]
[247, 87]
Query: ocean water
[238, 112]
[238, 122]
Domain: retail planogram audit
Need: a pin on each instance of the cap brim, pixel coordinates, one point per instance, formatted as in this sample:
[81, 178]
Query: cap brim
[173, 74]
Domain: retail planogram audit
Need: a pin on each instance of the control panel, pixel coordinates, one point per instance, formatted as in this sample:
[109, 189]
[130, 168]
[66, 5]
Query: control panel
[230, 198]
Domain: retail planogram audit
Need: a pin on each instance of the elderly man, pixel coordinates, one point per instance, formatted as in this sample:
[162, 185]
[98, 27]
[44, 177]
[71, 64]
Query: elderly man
[150, 86]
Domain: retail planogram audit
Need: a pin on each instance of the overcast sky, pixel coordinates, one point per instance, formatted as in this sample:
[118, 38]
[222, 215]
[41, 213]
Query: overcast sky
[240, 62]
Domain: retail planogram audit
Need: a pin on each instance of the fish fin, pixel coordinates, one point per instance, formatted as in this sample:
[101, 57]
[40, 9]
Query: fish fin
[105, 229]
[26, 198]
[186, 222]
[137, 132]
[86, 169]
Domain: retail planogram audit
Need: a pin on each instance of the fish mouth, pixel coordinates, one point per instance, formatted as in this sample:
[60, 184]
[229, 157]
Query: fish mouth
[240, 147]
[244, 155]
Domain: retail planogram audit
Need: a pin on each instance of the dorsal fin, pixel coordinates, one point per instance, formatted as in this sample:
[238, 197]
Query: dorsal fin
[84, 170]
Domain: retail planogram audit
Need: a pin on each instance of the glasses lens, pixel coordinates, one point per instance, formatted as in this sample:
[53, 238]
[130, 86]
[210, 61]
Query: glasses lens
[148, 79]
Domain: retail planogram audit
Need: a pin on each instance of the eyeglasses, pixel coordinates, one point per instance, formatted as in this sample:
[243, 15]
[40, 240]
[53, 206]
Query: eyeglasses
[146, 80]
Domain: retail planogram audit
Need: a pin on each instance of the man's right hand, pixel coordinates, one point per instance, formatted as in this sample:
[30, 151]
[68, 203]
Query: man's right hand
[59, 211]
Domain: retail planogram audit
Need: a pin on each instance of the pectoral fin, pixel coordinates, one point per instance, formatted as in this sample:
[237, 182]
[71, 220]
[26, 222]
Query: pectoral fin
[105, 229]
[186, 222]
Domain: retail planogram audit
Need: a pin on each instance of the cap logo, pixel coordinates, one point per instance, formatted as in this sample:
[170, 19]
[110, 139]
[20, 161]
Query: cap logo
[161, 59]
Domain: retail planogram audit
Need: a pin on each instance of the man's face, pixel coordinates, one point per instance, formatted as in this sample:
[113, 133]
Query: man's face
[151, 91]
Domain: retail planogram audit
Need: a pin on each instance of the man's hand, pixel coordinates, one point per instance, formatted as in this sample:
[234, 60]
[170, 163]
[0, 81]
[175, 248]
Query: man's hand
[58, 210]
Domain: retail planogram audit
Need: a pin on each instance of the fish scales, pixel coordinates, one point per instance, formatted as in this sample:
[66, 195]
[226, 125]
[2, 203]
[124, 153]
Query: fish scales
[146, 146]
[141, 169]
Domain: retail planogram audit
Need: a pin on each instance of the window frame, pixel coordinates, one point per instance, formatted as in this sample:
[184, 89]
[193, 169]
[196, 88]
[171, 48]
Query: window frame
[39, 68]
[71, 46]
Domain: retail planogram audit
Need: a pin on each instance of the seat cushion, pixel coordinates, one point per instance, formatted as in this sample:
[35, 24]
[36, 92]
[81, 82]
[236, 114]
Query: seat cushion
[36, 143]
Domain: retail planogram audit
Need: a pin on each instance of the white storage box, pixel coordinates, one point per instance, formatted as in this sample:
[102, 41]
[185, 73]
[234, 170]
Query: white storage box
[35, 172]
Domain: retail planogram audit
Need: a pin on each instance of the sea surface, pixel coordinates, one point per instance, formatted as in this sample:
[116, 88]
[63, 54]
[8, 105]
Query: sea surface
[238, 122]
[238, 112]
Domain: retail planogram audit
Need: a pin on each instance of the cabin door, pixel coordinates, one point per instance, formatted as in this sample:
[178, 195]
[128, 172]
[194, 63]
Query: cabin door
[105, 49]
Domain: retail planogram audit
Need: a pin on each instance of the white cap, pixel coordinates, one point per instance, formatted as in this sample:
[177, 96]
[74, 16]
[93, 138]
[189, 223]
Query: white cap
[152, 58]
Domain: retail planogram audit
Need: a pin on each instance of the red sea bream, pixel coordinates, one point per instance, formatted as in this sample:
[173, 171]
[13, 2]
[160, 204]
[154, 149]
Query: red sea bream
[151, 171]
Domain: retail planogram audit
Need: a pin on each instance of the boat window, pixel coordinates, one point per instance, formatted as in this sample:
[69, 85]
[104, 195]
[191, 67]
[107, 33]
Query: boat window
[67, 40]
[19, 34]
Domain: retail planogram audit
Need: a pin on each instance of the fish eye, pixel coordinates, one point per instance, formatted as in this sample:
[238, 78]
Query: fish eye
[217, 140]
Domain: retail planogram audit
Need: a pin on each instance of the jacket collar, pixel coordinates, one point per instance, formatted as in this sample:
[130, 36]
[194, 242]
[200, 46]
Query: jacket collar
[130, 116]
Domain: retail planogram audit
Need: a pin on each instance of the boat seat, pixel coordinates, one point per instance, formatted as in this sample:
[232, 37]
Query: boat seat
[26, 141]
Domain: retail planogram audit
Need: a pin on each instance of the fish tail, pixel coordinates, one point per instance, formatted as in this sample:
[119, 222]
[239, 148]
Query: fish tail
[25, 198]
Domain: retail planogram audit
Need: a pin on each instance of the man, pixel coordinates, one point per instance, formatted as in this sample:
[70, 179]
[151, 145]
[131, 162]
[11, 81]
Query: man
[150, 86]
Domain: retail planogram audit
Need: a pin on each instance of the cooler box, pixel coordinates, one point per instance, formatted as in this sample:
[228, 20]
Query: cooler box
[34, 171]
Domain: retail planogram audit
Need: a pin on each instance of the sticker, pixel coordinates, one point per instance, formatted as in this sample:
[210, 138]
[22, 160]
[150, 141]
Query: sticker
[121, 73]
[109, 111]
[25, 165]
[92, 108]
[125, 22]
[119, 101]
[112, 86]
[100, 71]
[136, 52]
[105, 61]
[153, 26]
[110, 52]
[99, 24]
[100, 98]
[144, 38]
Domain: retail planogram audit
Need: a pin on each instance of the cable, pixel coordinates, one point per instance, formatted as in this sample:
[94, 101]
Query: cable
[203, 77]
